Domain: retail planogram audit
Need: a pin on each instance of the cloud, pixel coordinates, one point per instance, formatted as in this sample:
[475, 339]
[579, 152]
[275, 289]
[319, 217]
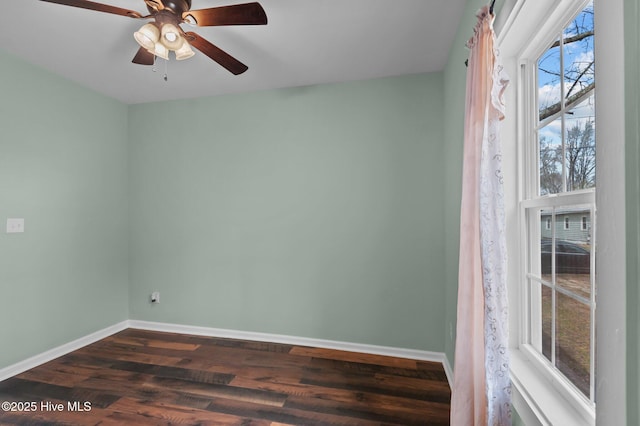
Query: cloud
[548, 94]
[552, 132]
[583, 60]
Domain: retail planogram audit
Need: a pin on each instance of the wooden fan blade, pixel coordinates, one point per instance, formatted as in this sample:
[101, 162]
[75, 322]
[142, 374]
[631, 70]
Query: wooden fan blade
[220, 56]
[155, 4]
[239, 14]
[84, 4]
[144, 57]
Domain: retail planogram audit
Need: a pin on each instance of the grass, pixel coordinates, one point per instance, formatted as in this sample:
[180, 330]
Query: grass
[573, 333]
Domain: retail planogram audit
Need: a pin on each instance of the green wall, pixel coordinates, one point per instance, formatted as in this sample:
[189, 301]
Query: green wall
[632, 119]
[312, 212]
[63, 168]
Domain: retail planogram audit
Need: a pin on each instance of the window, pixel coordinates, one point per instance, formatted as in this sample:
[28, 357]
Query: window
[541, 394]
[560, 184]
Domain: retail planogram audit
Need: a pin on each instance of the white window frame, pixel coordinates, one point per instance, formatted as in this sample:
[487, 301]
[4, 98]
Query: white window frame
[536, 398]
[532, 303]
[530, 175]
[584, 223]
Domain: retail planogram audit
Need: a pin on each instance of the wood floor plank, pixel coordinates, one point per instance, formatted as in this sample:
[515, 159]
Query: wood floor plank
[209, 341]
[354, 357]
[66, 417]
[437, 414]
[106, 351]
[152, 378]
[129, 356]
[152, 343]
[364, 368]
[170, 372]
[54, 376]
[283, 415]
[174, 414]
[311, 392]
[117, 418]
[258, 396]
[30, 390]
[435, 386]
[367, 383]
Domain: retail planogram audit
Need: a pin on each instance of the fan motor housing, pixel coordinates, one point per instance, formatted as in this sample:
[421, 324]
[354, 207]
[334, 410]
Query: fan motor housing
[177, 6]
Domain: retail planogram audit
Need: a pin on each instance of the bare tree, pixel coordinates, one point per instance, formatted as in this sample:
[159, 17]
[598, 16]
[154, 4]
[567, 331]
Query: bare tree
[579, 159]
[569, 163]
[577, 77]
[550, 167]
[580, 153]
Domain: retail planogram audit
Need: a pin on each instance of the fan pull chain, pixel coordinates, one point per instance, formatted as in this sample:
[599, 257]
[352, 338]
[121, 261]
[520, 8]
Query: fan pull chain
[166, 68]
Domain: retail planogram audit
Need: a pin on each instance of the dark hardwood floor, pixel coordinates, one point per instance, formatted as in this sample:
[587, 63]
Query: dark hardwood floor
[138, 377]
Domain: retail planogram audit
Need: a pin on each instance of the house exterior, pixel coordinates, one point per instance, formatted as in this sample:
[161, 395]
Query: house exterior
[571, 224]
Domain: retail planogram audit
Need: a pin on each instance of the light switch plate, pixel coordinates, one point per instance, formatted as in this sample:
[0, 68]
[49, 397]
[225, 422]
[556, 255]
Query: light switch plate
[15, 225]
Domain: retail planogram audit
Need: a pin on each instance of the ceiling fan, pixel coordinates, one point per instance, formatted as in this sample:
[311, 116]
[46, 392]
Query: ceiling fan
[164, 33]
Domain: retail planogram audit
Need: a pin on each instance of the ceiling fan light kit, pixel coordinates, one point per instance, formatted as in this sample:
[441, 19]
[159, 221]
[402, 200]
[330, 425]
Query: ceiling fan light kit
[171, 37]
[161, 51]
[147, 36]
[184, 52]
[164, 34]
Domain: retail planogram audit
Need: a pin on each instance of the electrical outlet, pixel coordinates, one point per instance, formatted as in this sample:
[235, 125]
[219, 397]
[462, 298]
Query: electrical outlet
[155, 297]
[15, 225]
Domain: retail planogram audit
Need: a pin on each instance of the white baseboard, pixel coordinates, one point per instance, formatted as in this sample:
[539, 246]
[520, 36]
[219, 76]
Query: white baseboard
[299, 341]
[448, 370]
[54, 353]
[49, 355]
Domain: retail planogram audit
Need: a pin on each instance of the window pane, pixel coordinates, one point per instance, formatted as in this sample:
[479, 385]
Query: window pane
[537, 235]
[580, 145]
[573, 338]
[547, 320]
[546, 248]
[578, 56]
[549, 93]
[573, 251]
[550, 143]
[560, 253]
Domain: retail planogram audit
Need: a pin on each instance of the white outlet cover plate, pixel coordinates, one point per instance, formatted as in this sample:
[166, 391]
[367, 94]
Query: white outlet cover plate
[15, 225]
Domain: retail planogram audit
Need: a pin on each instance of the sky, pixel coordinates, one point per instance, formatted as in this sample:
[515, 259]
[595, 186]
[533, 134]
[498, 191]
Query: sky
[561, 67]
[577, 57]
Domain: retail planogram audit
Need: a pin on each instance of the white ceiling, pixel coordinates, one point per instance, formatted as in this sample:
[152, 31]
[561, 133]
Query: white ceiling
[306, 42]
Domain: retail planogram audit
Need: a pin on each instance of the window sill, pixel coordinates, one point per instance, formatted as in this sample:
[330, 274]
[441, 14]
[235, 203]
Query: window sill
[538, 401]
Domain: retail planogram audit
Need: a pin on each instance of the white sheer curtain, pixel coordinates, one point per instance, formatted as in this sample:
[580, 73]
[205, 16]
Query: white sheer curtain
[481, 390]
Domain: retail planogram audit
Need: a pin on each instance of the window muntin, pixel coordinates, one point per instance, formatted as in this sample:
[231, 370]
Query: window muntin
[559, 210]
[566, 109]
